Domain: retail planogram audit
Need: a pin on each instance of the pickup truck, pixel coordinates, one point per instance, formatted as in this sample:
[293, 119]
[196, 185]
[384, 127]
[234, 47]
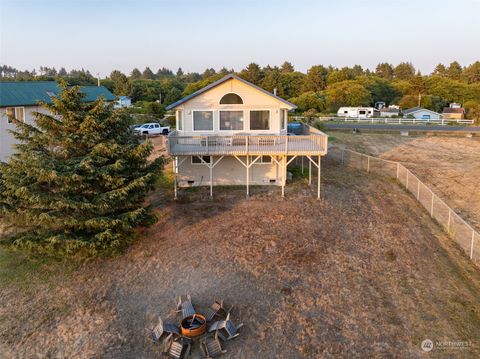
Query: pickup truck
[152, 128]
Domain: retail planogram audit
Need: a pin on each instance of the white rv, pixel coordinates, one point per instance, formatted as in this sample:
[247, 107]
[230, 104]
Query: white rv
[358, 112]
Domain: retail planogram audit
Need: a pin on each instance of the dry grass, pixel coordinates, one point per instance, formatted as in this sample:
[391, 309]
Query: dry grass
[362, 273]
[449, 165]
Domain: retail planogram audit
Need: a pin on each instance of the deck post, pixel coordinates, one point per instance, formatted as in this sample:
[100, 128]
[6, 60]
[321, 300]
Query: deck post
[309, 172]
[302, 164]
[248, 176]
[284, 165]
[319, 175]
[174, 167]
[211, 178]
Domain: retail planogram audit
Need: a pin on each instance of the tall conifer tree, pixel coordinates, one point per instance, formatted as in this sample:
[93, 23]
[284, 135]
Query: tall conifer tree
[79, 177]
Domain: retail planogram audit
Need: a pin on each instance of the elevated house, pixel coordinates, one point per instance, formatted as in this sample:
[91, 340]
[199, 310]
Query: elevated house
[19, 99]
[123, 102]
[421, 113]
[454, 112]
[232, 132]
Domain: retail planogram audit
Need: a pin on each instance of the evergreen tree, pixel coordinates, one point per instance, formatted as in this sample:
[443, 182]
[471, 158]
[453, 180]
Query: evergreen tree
[78, 178]
[135, 74]
[148, 74]
[287, 67]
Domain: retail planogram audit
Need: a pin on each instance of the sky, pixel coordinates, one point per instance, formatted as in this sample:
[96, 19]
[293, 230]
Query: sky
[104, 35]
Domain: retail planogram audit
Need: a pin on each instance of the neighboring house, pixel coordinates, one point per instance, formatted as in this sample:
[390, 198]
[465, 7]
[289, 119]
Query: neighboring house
[20, 99]
[358, 112]
[123, 101]
[421, 113]
[389, 111]
[232, 132]
[454, 112]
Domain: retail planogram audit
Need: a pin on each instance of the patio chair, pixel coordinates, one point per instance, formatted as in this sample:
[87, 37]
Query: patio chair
[162, 329]
[185, 307]
[225, 328]
[216, 309]
[212, 347]
[178, 349]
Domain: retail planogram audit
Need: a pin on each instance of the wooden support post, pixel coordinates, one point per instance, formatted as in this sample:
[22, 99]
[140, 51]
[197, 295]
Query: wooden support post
[309, 172]
[174, 166]
[319, 176]
[302, 165]
[284, 165]
[368, 164]
[211, 178]
[398, 170]
[449, 220]
[248, 176]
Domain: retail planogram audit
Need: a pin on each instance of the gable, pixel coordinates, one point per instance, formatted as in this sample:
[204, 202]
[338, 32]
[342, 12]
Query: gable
[209, 96]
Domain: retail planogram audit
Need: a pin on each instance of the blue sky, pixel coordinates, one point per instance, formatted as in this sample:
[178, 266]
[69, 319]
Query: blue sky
[104, 35]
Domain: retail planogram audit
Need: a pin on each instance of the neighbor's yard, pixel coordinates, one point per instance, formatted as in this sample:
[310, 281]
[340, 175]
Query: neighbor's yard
[362, 273]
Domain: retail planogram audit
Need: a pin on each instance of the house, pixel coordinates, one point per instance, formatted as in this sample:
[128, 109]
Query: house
[454, 112]
[232, 132]
[358, 112]
[421, 113]
[20, 99]
[389, 111]
[123, 102]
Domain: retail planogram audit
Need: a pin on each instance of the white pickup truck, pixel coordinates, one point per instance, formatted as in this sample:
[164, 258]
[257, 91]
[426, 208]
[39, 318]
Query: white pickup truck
[152, 128]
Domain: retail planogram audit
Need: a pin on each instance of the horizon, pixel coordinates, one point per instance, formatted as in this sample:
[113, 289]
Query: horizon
[166, 34]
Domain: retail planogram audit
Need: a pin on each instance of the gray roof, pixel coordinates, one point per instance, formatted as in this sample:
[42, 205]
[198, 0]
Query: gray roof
[222, 80]
[416, 109]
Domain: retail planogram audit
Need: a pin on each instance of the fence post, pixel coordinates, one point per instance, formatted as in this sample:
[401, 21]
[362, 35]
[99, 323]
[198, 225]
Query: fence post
[471, 248]
[368, 164]
[398, 170]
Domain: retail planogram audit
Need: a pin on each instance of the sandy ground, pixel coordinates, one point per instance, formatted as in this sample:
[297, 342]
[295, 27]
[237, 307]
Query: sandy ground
[449, 165]
[341, 277]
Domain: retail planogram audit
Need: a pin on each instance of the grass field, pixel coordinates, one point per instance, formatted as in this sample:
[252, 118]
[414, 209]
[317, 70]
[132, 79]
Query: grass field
[362, 273]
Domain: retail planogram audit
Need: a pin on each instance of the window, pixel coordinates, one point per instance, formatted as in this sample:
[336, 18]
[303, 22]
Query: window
[231, 99]
[15, 112]
[197, 161]
[180, 120]
[203, 120]
[231, 120]
[260, 120]
[264, 160]
[426, 117]
[361, 112]
[157, 126]
[283, 119]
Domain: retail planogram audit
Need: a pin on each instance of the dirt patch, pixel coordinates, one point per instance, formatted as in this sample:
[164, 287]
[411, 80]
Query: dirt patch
[361, 273]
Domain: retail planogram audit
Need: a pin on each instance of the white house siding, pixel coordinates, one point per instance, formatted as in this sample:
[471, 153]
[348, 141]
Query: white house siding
[7, 140]
[253, 99]
[420, 113]
[229, 171]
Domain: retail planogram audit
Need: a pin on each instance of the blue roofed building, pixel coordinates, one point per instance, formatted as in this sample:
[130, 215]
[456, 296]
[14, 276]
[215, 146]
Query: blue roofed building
[20, 99]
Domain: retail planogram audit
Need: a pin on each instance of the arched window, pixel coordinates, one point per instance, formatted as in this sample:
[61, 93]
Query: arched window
[231, 99]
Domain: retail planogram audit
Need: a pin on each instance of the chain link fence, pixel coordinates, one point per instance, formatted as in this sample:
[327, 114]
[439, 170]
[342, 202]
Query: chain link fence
[456, 227]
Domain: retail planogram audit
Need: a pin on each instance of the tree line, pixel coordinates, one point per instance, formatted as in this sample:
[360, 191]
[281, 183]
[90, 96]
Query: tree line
[321, 90]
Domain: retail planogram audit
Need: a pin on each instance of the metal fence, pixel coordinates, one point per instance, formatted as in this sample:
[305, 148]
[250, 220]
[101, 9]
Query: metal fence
[456, 227]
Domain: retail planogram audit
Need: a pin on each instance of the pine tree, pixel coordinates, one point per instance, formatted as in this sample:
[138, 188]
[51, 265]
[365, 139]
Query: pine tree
[78, 179]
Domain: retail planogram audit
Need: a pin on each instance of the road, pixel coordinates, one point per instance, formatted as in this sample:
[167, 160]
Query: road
[383, 127]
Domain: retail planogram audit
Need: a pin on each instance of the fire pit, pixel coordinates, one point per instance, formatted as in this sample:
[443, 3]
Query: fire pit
[196, 332]
[193, 326]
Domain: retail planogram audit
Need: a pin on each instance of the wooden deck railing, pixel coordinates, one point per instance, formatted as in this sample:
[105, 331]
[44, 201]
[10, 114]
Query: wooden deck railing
[313, 144]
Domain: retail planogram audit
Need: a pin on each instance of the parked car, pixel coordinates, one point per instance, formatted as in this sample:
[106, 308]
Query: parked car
[152, 128]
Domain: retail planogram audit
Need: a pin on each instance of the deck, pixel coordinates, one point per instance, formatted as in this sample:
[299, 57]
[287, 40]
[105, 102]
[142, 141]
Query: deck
[311, 144]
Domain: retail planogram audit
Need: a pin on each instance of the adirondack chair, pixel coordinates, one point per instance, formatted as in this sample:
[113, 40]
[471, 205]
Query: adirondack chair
[216, 309]
[178, 349]
[163, 329]
[212, 347]
[185, 307]
[225, 328]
